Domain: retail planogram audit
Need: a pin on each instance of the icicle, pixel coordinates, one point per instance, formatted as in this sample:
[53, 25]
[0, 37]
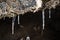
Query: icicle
[13, 21]
[49, 13]
[43, 18]
[18, 19]
[3, 18]
[27, 38]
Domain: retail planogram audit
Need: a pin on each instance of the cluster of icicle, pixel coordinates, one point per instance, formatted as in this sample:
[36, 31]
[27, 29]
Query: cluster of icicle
[11, 8]
[50, 4]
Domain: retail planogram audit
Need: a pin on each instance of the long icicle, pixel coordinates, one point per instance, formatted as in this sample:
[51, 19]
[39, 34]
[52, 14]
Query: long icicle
[43, 18]
[49, 13]
[13, 21]
[18, 19]
[43, 22]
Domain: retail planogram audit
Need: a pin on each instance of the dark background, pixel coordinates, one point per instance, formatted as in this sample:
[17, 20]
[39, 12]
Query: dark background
[28, 22]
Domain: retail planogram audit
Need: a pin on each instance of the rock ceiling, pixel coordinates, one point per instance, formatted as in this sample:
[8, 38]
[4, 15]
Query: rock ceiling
[10, 8]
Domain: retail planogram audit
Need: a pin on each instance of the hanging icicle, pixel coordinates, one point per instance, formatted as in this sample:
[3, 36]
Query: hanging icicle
[18, 19]
[13, 21]
[43, 18]
[49, 13]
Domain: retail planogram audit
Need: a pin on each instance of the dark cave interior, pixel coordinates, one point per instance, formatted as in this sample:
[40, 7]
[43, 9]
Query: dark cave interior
[28, 22]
